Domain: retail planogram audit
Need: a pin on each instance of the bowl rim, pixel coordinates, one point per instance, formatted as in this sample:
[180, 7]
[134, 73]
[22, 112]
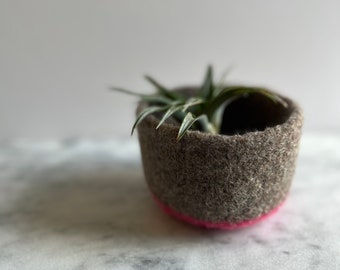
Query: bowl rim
[295, 118]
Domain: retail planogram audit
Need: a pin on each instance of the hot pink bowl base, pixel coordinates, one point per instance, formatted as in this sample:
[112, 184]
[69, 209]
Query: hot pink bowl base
[213, 225]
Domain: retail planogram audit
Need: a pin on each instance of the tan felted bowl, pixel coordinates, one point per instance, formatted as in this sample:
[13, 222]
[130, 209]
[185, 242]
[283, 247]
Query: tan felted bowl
[224, 181]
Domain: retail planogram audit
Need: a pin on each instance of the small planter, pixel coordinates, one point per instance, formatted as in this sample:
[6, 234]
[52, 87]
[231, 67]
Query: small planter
[223, 181]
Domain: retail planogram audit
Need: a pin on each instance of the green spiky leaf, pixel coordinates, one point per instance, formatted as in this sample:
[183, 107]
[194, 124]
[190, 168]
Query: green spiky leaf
[207, 88]
[125, 91]
[154, 99]
[233, 91]
[173, 109]
[222, 81]
[148, 98]
[275, 98]
[192, 102]
[187, 123]
[206, 125]
[147, 111]
[162, 90]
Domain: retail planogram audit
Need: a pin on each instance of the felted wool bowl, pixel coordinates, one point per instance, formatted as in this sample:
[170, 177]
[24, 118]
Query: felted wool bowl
[226, 180]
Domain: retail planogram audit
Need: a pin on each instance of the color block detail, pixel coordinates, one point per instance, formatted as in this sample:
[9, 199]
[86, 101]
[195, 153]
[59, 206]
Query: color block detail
[213, 225]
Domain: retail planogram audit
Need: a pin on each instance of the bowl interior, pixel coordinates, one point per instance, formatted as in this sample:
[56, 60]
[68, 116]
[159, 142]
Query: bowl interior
[253, 113]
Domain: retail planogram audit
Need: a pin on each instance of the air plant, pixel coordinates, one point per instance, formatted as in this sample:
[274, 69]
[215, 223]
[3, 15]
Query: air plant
[203, 111]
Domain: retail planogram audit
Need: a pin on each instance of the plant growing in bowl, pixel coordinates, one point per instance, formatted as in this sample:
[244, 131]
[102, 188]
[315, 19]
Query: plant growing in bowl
[218, 155]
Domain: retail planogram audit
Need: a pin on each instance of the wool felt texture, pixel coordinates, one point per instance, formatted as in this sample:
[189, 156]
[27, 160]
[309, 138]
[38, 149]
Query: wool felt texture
[223, 178]
[213, 225]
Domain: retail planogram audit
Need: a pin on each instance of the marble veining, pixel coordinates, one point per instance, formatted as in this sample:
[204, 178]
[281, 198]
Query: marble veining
[83, 204]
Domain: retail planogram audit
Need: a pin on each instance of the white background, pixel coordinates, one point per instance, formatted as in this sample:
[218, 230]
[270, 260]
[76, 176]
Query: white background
[57, 58]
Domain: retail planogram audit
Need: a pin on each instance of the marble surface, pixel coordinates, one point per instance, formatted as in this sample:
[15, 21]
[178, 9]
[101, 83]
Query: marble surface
[82, 204]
